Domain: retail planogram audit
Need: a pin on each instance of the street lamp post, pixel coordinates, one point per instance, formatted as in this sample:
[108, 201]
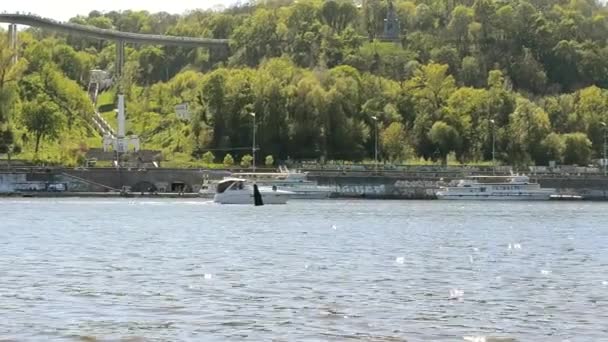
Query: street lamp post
[375, 118]
[604, 147]
[493, 147]
[253, 143]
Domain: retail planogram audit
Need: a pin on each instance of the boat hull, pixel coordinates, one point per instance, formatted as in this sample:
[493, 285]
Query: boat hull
[312, 195]
[238, 197]
[495, 197]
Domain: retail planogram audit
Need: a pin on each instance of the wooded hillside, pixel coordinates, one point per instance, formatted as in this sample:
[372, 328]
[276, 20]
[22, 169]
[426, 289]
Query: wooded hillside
[317, 72]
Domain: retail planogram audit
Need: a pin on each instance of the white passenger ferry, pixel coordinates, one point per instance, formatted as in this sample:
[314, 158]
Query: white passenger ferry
[495, 188]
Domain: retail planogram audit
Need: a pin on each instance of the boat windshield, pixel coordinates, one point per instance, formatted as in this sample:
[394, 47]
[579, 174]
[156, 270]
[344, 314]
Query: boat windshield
[223, 186]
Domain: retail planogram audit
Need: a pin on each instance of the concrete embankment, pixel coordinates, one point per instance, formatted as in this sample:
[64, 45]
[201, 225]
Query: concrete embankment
[589, 188]
[385, 185]
[380, 187]
[424, 186]
[71, 194]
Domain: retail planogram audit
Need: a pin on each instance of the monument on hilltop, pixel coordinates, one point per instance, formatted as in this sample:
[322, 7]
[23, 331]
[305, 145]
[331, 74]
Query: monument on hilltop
[392, 26]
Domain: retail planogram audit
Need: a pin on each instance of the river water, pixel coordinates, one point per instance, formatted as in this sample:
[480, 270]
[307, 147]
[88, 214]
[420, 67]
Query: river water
[172, 270]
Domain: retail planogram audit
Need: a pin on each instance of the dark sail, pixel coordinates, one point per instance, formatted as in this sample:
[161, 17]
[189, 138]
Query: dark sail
[257, 196]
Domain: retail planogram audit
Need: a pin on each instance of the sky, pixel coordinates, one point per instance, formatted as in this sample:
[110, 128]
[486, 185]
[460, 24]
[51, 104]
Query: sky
[65, 9]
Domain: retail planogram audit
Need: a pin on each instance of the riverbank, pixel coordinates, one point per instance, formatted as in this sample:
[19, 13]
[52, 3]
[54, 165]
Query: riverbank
[70, 194]
[172, 195]
[414, 184]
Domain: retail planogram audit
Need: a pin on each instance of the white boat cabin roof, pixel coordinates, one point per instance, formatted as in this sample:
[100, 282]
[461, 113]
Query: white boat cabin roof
[272, 175]
[231, 180]
[499, 179]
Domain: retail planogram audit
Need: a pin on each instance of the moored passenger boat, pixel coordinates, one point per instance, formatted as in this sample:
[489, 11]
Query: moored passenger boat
[496, 188]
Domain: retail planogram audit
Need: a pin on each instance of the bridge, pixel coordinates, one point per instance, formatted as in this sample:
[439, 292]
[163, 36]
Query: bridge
[219, 46]
[218, 50]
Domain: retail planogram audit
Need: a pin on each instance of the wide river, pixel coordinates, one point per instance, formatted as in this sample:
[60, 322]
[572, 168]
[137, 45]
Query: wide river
[175, 270]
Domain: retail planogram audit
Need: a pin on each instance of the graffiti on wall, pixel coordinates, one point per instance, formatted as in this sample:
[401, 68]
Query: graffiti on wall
[361, 189]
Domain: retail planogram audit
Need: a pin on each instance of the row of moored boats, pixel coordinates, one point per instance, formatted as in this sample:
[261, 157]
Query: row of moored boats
[279, 187]
[275, 188]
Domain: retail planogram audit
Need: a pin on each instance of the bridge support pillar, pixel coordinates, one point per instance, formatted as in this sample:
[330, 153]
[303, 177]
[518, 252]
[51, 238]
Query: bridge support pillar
[120, 59]
[12, 41]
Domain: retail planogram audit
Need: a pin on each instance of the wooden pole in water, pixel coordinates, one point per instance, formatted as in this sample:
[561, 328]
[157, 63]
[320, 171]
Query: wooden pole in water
[257, 196]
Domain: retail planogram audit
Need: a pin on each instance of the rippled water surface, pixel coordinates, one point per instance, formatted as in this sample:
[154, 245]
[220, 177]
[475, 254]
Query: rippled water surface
[309, 271]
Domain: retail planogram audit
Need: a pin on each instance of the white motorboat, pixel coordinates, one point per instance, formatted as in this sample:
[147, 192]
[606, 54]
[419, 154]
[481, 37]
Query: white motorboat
[514, 187]
[295, 182]
[240, 191]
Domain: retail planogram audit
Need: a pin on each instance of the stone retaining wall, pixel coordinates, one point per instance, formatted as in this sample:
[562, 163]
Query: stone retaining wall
[405, 186]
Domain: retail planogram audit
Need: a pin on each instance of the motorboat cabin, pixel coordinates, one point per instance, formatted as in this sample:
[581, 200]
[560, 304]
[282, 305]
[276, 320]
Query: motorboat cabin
[240, 191]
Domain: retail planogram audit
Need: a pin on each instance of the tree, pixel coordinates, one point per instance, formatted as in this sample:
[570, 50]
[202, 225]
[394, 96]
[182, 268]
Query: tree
[269, 161]
[432, 86]
[43, 119]
[7, 144]
[338, 14]
[394, 141]
[256, 38]
[529, 125]
[228, 160]
[462, 17]
[153, 65]
[246, 160]
[447, 54]
[7, 105]
[578, 149]
[314, 74]
[9, 97]
[445, 138]
[528, 73]
[76, 65]
[214, 97]
[208, 158]
[470, 72]
[554, 146]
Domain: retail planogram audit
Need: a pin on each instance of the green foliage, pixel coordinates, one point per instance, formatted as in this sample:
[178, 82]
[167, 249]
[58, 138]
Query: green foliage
[445, 138]
[269, 161]
[548, 44]
[228, 160]
[9, 99]
[577, 150]
[529, 125]
[470, 73]
[315, 72]
[394, 141]
[43, 119]
[246, 160]
[208, 158]
[554, 147]
[7, 140]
